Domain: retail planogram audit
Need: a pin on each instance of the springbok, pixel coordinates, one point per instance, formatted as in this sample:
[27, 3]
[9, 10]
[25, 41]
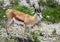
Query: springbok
[15, 15]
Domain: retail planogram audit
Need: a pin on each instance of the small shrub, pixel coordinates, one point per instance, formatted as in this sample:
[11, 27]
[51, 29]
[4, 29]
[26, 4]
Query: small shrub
[36, 34]
[54, 31]
[15, 39]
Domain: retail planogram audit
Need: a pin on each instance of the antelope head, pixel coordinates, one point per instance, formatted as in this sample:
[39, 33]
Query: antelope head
[39, 16]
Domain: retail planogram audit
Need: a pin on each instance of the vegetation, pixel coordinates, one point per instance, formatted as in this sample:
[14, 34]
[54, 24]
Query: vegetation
[17, 7]
[23, 9]
[41, 3]
[16, 39]
[51, 3]
[54, 32]
[51, 14]
[52, 11]
[1, 2]
[6, 40]
[11, 40]
[14, 2]
[36, 34]
[2, 13]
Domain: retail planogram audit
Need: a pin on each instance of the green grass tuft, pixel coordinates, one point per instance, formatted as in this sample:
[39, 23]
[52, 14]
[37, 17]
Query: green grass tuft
[51, 14]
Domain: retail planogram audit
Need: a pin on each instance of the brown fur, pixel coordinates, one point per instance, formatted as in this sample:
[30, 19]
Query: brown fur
[18, 15]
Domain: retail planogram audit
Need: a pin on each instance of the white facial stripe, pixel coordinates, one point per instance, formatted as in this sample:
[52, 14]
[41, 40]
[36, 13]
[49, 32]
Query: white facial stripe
[39, 17]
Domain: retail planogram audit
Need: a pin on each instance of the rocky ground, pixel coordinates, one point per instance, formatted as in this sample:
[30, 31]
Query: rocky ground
[48, 29]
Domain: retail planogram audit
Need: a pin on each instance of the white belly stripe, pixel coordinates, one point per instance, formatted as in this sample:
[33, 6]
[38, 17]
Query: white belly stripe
[18, 22]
